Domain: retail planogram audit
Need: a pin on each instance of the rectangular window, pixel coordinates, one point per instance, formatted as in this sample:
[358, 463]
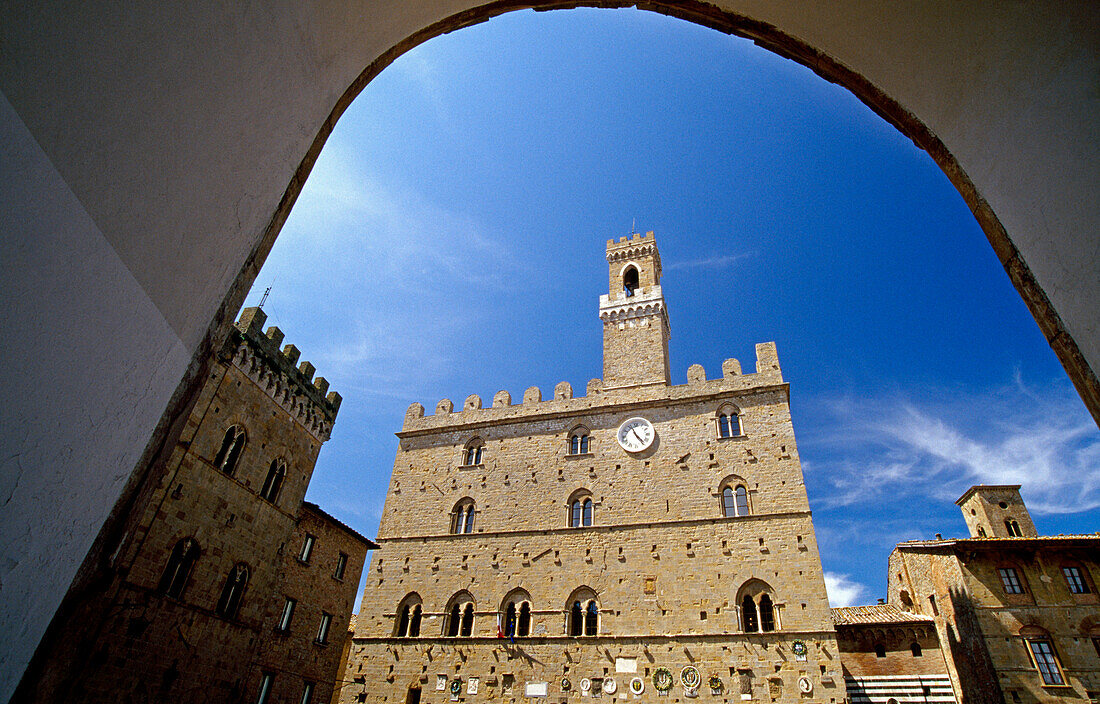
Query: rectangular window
[322, 630]
[1076, 580]
[307, 548]
[265, 687]
[341, 565]
[288, 613]
[307, 693]
[1043, 654]
[1011, 580]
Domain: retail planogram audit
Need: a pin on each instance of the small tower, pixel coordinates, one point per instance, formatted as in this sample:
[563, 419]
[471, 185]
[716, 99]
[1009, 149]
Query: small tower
[996, 511]
[635, 320]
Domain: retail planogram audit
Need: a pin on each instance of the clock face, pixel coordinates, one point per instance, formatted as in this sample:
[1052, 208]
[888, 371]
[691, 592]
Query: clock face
[636, 434]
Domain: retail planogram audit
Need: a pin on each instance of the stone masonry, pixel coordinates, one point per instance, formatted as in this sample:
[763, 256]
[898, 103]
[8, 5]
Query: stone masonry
[229, 510]
[1018, 616]
[663, 555]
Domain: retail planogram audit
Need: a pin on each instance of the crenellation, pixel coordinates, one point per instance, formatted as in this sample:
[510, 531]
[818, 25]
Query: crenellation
[696, 375]
[731, 367]
[767, 358]
[563, 391]
[308, 370]
[321, 384]
[275, 335]
[258, 355]
[444, 407]
[502, 399]
[533, 405]
[472, 403]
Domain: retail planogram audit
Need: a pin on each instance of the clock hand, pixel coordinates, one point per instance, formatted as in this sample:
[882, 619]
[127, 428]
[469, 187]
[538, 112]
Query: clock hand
[635, 431]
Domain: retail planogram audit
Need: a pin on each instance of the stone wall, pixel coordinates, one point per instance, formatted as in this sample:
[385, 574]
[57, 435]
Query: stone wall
[134, 642]
[666, 567]
[986, 629]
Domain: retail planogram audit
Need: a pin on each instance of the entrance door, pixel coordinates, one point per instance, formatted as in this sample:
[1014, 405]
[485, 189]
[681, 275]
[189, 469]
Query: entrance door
[414, 696]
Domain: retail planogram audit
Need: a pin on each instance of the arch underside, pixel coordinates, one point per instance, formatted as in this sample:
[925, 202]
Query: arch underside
[205, 155]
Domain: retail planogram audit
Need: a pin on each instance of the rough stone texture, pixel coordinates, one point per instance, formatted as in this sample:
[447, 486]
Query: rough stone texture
[134, 643]
[665, 566]
[987, 508]
[985, 629]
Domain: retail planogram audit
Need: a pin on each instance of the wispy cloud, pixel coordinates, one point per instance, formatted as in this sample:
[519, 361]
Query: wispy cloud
[709, 262]
[842, 590]
[937, 447]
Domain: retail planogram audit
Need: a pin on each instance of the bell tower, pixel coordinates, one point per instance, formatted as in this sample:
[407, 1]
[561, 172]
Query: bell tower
[635, 320]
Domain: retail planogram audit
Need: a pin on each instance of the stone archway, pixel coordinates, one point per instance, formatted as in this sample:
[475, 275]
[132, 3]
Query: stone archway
[154, 154]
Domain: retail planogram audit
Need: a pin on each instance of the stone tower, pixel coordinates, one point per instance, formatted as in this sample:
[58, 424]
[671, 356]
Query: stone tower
[627, 544]
[635, 319]
[996, 511]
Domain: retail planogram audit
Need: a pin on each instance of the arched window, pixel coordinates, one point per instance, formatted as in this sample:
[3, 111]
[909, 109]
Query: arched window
[459, 618]
[579, 441]
[630, 281]
[914, 648]
[408, 617]
[462, 516]
[274, 481]
[233, 591]
[180, 563]
[759, 612]
[767, 614]
[230, 451]
[735, 497]
[880, 650]
[515, 618]
[981, 532]
[474, 454]
[583, 611]
[580, 509]
[1013, 528]
[749, 622]
[729, 423]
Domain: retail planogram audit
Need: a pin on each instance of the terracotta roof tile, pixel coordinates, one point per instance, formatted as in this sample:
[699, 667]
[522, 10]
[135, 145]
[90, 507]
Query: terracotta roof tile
[875, 613]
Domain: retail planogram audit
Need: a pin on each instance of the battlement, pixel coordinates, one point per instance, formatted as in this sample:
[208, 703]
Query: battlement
[635, 247]
[767, 374]
[279, 373]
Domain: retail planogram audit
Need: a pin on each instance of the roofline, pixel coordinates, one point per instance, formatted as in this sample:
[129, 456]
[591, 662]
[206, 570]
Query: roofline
[987, 542]
[959, 501]
[310, 506]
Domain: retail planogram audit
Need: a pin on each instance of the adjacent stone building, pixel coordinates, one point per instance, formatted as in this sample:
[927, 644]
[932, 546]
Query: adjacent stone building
[1018, 612]
[891, 654]
[643, 540]
[230, 584]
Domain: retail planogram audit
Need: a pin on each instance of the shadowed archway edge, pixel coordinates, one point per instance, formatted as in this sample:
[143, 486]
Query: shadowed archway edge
[768, 37]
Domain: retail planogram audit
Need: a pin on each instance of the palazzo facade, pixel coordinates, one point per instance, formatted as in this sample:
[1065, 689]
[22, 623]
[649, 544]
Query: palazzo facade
[643, 540]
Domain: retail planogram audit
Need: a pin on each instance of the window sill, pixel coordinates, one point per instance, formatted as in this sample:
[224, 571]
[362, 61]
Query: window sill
[302, 562]
[480, 465]
[320, 643]
[733, 437]
[579, 455]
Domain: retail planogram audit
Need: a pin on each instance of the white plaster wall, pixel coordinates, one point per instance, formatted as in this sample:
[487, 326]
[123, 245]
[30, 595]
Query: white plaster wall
[91, 365]
[151, 143]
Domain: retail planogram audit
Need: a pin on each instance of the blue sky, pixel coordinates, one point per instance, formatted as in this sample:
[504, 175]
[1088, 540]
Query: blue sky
[450, 241]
